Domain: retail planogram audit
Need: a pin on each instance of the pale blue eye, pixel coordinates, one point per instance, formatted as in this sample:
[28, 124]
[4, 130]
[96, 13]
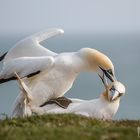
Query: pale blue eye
[110, 71]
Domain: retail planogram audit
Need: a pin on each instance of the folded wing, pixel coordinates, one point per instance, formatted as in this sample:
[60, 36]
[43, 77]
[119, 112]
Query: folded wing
[25, 67]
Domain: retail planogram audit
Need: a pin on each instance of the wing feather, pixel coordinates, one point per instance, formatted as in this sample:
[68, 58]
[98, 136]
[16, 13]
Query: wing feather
[25, 67]
[30, 47]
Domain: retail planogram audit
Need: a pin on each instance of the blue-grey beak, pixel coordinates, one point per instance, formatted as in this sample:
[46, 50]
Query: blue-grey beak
[113, 94]
[107, 74]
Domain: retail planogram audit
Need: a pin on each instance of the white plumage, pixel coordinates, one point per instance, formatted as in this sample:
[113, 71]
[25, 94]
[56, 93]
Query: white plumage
[50, 75]
[104, 107]
[100, 108]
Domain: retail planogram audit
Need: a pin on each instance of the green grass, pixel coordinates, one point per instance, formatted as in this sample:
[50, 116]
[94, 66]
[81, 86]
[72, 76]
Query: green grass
[67, 127]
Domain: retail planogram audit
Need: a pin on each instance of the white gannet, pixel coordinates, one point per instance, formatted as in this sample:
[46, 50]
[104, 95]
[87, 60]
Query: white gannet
[50, 75]
[104, 107]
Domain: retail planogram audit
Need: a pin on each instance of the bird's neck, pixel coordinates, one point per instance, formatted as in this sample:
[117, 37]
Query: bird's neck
[110, 106]
[80, 63]
[104, 96]
[88, 57]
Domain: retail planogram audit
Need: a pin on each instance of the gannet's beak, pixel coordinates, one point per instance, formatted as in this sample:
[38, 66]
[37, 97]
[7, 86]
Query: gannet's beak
[113, 94]
[104, 74]
[104, 80]
[111, 77]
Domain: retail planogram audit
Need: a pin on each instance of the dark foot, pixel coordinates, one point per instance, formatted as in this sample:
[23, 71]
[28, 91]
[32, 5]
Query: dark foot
[60, 101]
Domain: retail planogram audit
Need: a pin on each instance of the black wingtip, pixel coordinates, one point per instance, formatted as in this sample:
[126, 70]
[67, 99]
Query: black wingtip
[3, 56]
[7, 80]
[33, 74]
[15, 78]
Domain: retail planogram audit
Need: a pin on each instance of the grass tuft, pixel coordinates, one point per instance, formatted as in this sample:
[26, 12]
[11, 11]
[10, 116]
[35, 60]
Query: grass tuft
[67, 127]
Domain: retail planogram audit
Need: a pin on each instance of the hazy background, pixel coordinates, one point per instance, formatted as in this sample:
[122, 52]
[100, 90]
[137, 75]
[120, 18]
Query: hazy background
[111, 26]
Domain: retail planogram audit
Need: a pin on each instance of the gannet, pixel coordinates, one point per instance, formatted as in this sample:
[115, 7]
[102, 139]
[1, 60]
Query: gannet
[49, 74]
[104, 107]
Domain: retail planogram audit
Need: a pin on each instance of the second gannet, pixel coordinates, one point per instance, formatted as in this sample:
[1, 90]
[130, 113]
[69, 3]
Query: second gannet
[104, 107]
[48, 74]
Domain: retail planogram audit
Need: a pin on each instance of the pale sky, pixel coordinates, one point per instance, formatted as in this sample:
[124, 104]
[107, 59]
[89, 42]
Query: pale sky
[70, 15]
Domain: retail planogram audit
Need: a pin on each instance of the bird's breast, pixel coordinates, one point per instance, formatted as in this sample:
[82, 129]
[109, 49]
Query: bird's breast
[52, 84]
[55, 82]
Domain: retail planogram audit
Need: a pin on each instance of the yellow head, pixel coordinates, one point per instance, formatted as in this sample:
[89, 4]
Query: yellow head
[114, 91]
[100, 63]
